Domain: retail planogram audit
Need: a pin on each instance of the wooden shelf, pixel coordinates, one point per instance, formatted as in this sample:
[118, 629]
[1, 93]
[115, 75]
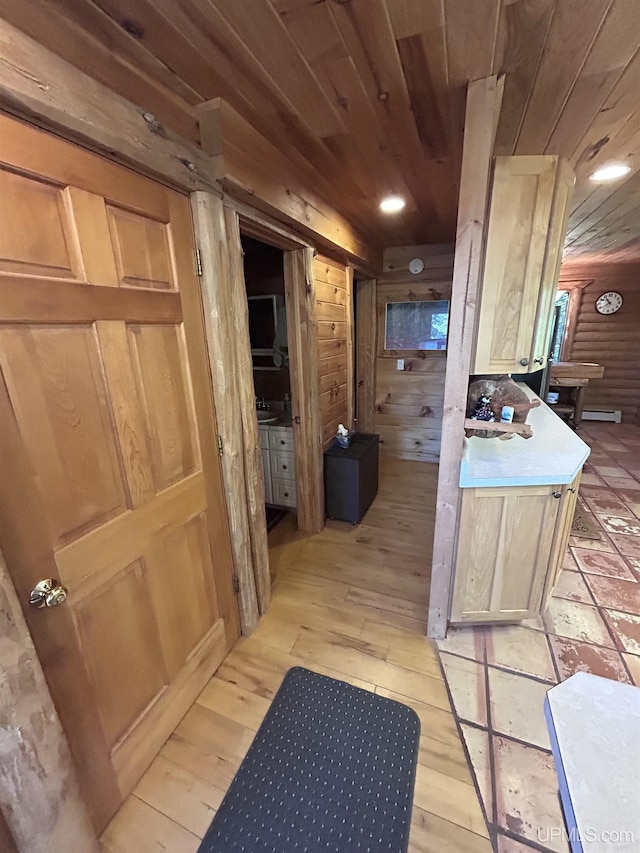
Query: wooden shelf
[523, 430]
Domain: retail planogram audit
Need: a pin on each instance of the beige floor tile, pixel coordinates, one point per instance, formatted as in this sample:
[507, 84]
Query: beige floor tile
[517, 707]
[467, 642]
[571, 585]
[626, 628]
[576, 620]
[527, 793]
[633, 664]
[466, 681]
[479, 747]
[600, 563]
[572, 656]
[520, 649]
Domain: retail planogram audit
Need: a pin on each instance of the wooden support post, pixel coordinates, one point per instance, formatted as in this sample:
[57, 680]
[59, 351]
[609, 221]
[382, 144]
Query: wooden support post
[366, 354]
[484, 98]
[302, 324]
[39, 795]
[218, 303]
[248, 422]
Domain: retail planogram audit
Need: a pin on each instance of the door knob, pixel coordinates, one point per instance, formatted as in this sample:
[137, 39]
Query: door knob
[538, 360]
[47, 593]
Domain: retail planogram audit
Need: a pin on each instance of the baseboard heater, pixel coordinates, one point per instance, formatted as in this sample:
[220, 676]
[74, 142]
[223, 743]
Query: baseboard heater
[613, 415]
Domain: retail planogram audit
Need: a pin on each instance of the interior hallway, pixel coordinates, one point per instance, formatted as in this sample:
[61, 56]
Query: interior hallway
[351, 603]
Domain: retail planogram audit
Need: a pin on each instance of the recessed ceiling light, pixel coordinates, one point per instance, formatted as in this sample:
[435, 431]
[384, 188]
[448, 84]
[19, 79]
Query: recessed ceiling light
[392, 203]
[610, 172]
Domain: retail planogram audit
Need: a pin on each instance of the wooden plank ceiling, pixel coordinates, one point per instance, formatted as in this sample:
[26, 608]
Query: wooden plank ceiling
[369, 94]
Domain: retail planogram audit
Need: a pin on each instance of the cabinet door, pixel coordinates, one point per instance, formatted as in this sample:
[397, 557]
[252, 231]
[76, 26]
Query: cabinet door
[562, 534]
[565, 181]
[521, 204]
[503, 553]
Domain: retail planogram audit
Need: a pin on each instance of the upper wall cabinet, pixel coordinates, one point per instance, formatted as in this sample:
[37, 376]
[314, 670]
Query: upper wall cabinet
[529, 208]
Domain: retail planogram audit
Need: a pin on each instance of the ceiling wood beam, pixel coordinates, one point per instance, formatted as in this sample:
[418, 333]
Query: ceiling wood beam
[251, 168]
[37, 85]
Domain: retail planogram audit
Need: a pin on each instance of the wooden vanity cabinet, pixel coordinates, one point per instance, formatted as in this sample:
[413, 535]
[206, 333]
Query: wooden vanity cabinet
[527, 222]
[504, 542]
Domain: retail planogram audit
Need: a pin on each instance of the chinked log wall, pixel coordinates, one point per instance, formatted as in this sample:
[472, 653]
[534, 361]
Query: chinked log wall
[408, 403]
[334, 300]
[611, 340]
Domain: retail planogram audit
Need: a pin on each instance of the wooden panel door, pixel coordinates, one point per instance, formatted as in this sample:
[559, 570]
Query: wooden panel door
[503, 553]
[110, 477]
[521, 201]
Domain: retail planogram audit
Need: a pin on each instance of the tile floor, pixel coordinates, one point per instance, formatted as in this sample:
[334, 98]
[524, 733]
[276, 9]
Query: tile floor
[498, 676]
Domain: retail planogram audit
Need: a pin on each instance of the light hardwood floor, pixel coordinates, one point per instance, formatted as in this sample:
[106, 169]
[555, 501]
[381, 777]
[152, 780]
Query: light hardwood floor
[350, 603]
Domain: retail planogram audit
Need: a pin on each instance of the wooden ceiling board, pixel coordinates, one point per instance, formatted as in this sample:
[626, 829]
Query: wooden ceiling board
[366, 97]
[570, 37]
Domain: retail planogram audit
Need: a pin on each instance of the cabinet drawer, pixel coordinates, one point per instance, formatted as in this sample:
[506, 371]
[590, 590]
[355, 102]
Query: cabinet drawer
[281, 439]
[284, 492]
[263, 432]
[283, 464]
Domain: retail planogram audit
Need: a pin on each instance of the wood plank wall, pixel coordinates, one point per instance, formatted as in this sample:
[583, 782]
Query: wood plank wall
[335, 336]
[611, 340]
[408, 403]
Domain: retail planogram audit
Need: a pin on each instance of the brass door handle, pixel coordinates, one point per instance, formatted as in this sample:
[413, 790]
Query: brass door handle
[48, 593]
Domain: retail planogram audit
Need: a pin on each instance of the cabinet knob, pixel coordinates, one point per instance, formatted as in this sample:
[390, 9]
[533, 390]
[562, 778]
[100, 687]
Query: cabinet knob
[524, 362]
[284, 467]
[557, 494]
[538, 360]
[286, 494]
[282, 441]
[572, 490]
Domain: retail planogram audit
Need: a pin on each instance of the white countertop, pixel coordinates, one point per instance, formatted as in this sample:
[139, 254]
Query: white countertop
[552, 456]
[594, 726]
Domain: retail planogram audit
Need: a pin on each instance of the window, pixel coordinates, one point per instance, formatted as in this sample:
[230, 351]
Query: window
[559, 323]
[416, 325]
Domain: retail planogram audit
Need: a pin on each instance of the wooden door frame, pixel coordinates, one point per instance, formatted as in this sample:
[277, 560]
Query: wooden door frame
[300, 305]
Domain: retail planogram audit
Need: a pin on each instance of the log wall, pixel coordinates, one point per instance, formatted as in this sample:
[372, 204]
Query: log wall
[611, 340]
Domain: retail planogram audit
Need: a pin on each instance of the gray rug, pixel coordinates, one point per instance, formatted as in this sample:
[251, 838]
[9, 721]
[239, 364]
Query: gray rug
[332, 768]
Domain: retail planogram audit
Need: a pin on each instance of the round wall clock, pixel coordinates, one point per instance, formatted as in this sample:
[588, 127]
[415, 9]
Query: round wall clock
[609, 302]
[416, 265]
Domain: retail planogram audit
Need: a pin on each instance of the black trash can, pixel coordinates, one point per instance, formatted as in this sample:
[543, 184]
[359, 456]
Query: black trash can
[351, 478]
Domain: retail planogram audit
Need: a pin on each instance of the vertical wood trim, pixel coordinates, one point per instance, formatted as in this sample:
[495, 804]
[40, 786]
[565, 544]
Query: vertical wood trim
[571, 323]
[350, 359]
[247, 400]
[484, 98]
[209, 223]
[300, 295]
[366, 354]
[40, 800]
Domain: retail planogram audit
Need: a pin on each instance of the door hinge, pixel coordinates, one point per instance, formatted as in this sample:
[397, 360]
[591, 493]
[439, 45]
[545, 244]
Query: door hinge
[198, 259]
[220, 447]
[236, 584]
